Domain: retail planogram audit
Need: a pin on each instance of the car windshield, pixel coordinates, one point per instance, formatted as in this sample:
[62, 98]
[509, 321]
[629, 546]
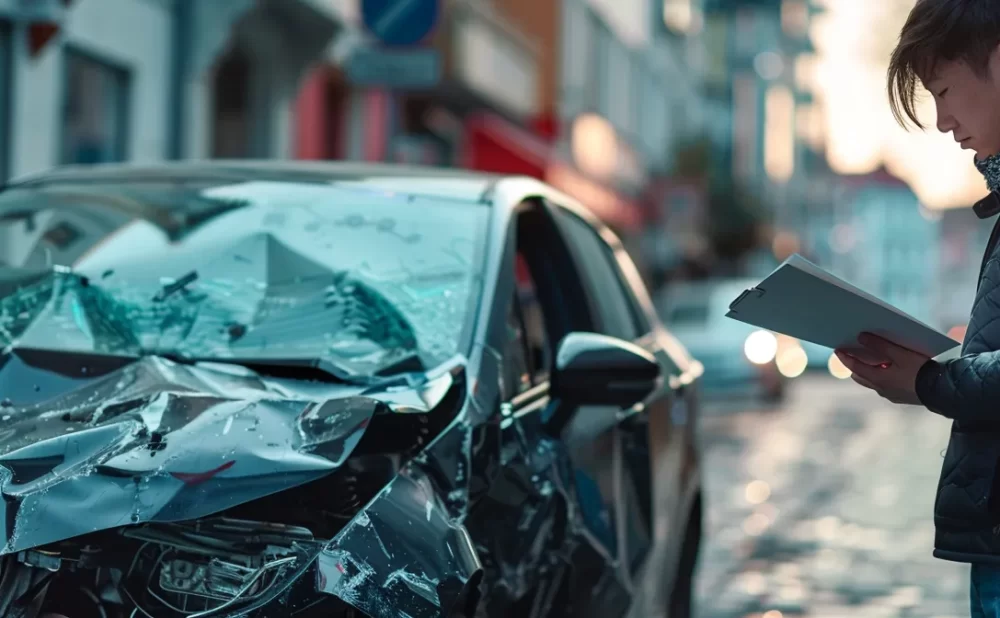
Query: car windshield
[349, 277]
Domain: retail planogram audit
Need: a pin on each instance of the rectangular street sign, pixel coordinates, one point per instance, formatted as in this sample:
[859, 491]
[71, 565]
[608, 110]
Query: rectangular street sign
[404, 68]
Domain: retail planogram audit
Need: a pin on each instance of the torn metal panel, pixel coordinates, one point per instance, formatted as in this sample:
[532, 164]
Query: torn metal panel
[156, 441]
[403, 552]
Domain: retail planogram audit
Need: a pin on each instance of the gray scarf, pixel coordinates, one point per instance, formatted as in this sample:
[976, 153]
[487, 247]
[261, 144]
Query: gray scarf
[990, 169]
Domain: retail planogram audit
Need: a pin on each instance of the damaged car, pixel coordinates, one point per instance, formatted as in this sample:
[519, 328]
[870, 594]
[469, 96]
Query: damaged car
[325, 390]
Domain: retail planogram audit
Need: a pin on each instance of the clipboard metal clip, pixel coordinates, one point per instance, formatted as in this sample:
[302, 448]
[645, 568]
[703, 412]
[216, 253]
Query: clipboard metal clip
[756, 291]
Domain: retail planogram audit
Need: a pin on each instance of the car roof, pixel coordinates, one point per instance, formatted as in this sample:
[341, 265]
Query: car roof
[502, 191]
[431, 181]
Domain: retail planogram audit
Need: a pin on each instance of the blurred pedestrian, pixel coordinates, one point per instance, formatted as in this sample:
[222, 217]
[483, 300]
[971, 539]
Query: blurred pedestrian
[952, 48]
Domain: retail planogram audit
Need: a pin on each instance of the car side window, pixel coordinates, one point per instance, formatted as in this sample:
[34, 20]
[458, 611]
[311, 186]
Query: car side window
[537, 338]
[605, 285]
[517, 371]
[626, 272]
[528, 349]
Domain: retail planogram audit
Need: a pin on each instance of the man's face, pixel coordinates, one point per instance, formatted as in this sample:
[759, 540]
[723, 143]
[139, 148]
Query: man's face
[968, 106]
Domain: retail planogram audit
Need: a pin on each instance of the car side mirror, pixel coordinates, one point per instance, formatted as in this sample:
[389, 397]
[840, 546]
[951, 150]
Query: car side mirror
[597, 370]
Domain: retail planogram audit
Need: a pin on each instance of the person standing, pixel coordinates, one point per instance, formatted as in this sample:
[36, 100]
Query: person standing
[952, 49]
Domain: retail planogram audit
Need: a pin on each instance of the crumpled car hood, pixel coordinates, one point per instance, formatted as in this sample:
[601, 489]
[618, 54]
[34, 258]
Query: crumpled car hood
[92, 443]
[153, 441]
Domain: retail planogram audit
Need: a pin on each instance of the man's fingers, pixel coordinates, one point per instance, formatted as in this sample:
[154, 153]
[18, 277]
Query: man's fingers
[892, 351]
[867, 357]
[858, 367]
[848, 360]
[880, 346]
[863, 382]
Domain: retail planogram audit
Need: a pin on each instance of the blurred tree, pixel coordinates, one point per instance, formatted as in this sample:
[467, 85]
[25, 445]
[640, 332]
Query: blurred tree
[736, 216]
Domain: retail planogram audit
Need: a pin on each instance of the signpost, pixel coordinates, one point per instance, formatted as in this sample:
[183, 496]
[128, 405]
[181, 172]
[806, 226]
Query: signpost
[400, 23]
[399, 59]
[376, 67]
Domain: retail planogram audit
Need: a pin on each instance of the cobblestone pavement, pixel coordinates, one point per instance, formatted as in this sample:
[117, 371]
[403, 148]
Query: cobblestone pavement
[823, 507]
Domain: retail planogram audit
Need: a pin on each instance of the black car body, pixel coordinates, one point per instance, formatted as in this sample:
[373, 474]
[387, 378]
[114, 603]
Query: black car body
[262, 389]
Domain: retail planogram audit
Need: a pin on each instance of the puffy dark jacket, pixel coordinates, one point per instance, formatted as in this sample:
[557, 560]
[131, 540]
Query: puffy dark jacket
[967, 390]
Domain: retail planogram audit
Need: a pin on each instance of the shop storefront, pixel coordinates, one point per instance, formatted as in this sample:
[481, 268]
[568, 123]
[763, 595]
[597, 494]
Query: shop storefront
[493, 144]
[245, 65]
[486, 62]
[79, 82]
[335, 119]
[321, 115]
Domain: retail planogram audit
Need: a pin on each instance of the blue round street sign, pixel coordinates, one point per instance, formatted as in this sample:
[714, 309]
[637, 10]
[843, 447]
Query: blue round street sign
[398, 23]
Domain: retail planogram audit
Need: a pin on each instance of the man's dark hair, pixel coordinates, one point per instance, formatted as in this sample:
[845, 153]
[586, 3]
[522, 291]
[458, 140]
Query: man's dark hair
[936, 31]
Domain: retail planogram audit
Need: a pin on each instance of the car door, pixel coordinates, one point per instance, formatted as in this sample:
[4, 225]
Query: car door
[547, 524]
[521, 523]
[647, 466]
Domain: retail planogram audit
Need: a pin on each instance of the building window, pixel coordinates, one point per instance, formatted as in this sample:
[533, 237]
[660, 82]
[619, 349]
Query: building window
[6, 88]
[232, 111]
[95, 110]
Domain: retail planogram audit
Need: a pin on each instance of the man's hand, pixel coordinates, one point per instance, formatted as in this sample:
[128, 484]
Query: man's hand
[893, 375]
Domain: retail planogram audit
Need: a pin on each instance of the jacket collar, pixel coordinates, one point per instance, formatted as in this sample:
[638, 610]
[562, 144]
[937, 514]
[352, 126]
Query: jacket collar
[990, 169]
[988, 206]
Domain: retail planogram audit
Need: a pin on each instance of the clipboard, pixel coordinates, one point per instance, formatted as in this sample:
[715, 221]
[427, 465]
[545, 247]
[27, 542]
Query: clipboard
[801, 300]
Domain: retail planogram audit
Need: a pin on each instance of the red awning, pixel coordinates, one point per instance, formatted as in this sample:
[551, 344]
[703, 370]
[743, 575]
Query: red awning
[493, 144]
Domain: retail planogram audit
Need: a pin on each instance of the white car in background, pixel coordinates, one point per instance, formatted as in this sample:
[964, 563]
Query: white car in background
[737, 357]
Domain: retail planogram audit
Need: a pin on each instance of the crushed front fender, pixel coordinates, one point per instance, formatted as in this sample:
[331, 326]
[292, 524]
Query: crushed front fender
[403, 555]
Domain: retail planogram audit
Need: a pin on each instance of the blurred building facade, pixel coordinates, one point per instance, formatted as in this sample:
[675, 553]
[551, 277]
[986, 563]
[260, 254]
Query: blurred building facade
[887, 244]
[963, 238]
[88, 81]
[758, 72]
[82, 84]
[236, 67]
[589, 95]
[751, 63]
[490, 66]
[593, 96]
[815, 215]
[630, 94]
[584, 94]
[676, 206]
[756, 60]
